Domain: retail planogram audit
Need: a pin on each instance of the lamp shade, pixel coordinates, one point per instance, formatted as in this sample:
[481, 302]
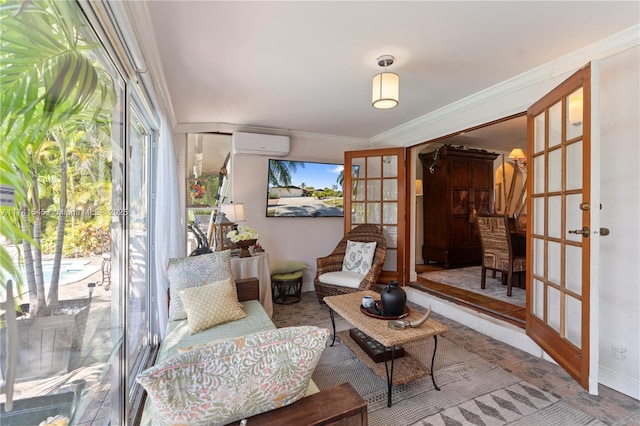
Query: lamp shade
[385, 90]
[234, 212]
[418, 187]
[517, 154]
[575, 109]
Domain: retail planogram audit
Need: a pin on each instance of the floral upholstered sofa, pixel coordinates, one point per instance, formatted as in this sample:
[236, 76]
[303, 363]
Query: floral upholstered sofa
[222, 359]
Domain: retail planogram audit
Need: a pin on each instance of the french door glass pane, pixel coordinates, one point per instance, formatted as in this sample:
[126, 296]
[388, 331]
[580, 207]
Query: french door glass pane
[373, 167]
[373, 213]
[555, 125]
[538, 211]
[573, 278]
[358, 190]
[538, 133]
[574, 115]
[553, 310]
[573, 321]
[555, 170]
[373, 190]
[357, 213]
[538, 260]
[390, 166]
[555, 210]
[391, 235]
[389, 213]
[574, 166]
[391, 261]
[138, 316]
[538, 182]
[553, 262]
[538, 298]
[390, 190]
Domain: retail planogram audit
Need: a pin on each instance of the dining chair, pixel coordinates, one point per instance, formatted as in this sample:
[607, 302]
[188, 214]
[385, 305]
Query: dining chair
[497, 250]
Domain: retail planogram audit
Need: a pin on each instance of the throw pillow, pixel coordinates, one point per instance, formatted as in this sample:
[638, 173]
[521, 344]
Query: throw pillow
[211, 304]
[287, 266]
[233, 379]
[358, 257]
[195, 271]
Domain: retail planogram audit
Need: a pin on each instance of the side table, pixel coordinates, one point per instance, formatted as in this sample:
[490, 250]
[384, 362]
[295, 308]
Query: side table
[286, 288]
[255, 266]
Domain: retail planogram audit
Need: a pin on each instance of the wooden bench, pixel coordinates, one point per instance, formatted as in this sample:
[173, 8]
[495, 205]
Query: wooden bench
[339, 405]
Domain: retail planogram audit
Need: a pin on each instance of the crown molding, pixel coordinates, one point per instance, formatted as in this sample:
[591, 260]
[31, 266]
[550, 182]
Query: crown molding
[414, 131]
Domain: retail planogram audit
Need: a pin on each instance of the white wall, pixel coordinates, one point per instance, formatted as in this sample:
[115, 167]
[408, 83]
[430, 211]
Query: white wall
[620, 197]
[290, 238]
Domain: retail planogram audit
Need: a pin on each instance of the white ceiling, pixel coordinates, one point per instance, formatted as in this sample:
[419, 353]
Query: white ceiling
[307, 66]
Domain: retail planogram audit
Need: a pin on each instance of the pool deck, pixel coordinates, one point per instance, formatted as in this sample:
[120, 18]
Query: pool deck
[91, 363]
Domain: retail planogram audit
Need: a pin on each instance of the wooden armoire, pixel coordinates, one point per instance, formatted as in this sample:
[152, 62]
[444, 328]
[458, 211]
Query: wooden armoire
[457, 185]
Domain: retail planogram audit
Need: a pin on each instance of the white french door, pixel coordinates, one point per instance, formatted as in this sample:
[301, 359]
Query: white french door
[375, 194]
[561, 225]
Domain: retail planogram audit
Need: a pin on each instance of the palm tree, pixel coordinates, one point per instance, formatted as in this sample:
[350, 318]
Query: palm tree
[280, 172]
[49, 81]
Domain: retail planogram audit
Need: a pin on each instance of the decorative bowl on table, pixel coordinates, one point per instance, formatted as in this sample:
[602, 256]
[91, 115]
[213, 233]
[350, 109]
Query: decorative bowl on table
[376, 311]
[244, 247]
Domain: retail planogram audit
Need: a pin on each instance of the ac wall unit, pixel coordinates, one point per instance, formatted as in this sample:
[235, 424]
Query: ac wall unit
[259, 144]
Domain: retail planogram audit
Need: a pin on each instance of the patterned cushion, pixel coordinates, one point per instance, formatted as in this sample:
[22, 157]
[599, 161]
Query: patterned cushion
[233, 379]
[195, 271]
[358, 257]
[211, 304]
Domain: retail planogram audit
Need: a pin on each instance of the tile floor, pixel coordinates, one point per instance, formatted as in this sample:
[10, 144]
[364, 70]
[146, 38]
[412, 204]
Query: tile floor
[611, 407]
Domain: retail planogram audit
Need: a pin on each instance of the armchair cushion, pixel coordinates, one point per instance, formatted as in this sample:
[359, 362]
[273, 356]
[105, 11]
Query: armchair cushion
[358, 257]
[229, 380]
[342, 278]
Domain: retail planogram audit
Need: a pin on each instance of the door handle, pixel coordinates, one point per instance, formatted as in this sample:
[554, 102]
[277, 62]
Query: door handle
[584, 232]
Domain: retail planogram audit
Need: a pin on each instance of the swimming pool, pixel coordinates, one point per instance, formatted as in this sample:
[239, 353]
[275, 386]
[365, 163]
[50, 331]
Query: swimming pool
[71, 270]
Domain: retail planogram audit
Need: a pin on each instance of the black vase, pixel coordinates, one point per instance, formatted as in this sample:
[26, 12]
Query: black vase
[393, 299]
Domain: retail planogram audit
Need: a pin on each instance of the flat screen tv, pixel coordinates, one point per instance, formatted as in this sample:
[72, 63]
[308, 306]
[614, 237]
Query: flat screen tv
[304, 189]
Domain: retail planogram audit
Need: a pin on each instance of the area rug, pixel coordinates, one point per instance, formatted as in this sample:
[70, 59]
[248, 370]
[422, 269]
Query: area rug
[405, 369]
[473, 391]
[469, 279]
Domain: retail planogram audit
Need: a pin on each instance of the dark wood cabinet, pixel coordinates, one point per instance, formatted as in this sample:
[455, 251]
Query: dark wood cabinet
[457, 186]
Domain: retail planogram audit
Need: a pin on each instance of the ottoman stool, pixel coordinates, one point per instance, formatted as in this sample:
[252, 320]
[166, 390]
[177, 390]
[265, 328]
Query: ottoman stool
[286, 288]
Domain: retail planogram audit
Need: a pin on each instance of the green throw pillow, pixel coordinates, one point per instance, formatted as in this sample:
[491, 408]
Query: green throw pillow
[287, 266]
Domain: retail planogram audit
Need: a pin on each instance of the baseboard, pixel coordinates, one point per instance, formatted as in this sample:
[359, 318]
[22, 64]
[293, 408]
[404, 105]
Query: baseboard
[620, 382]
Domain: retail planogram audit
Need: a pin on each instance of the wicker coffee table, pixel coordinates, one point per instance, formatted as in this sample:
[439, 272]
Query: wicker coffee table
[348, 307]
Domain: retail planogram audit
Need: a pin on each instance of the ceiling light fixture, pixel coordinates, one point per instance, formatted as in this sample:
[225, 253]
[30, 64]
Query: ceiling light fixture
[386, 86]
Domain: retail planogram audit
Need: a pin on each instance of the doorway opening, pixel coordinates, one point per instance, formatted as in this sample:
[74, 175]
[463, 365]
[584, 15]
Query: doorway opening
[443, 277]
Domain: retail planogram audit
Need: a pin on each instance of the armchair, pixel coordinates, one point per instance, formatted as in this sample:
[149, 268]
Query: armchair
[497, 250]
[331, 279]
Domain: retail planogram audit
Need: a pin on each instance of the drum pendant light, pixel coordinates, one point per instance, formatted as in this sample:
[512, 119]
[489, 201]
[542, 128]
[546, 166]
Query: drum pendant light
[386, 86]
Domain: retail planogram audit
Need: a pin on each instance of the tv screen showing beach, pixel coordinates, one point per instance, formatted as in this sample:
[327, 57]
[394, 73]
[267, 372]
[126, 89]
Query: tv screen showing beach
[304, 189]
